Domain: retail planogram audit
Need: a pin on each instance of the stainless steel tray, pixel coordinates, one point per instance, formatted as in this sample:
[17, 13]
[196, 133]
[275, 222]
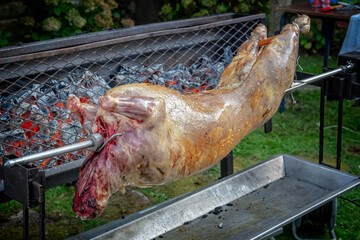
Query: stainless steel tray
[247, 205]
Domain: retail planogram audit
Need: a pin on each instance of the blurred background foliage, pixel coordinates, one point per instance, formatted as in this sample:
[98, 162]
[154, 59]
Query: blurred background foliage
[314, 42]
[48, 19]
[179, 9]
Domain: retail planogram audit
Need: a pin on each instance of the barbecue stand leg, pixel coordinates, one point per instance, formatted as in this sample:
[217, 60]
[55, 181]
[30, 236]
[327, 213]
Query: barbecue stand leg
[268, 126]
[329, 220]
[25, 222]
[339, 130]
[322, 116]
[227, 165]
[40, 198]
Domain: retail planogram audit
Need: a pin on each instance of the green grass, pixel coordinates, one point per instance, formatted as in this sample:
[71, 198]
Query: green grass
[295, 132]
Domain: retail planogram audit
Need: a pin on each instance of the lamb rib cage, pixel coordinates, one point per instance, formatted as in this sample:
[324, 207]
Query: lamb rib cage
[35, 80]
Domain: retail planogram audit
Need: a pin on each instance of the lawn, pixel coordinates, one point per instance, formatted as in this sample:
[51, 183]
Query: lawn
[295, 132]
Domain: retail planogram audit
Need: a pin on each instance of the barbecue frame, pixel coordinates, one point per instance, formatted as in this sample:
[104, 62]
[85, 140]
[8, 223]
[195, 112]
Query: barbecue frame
[32, 181]
[27, 184]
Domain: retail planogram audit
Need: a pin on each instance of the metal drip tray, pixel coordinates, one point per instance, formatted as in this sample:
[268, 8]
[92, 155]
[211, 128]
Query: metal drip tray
[247, 205]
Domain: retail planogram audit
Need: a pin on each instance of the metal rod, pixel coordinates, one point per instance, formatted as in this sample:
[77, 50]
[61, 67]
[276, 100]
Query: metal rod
[322, 117]
[25, 222]
[51, 153]
[339, 130]
[42, 208]
[319, 77]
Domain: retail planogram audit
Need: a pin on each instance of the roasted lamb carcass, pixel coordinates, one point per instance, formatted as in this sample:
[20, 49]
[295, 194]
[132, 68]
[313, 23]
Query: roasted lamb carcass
[167, 135]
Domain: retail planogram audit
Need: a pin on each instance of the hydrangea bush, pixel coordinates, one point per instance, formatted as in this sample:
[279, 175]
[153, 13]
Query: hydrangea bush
[63, 18]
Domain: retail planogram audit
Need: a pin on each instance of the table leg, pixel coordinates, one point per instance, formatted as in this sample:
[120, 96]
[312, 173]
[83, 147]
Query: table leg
[327, 30]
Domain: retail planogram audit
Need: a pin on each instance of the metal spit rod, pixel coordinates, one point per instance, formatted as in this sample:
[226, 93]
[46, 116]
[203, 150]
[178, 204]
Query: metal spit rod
[95, 141]
[319, 77]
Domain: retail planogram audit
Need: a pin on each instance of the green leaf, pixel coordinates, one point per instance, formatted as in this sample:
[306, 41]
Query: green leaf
[57, 11]
[308, 45]
[318, 37]
[117, 25]
[221, 8]
[303, 42]
[116, 14]
[3, 42]
[45, 37]
[65, 7]
[318, 45]
[7, 34]
[35, 36]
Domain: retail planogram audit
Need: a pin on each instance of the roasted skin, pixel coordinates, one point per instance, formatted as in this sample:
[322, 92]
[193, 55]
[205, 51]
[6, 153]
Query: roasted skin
[167, 135]
[245, 58]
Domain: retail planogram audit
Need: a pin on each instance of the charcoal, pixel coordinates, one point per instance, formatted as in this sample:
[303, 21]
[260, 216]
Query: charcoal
[227, 56]
[89, 80]
[123, 79]
[162, 80]
[61, 85]
[49, 84]
[141, 78]
[23, 108]
[200, 63]
[75, 77]
[172, 73]
[62, 95]
[37, 117]
[120, 69]
[9, 135]
[15, 122]
[5, 117]
[69, 132]
[154, 69]
[179, 68]
[48, 99]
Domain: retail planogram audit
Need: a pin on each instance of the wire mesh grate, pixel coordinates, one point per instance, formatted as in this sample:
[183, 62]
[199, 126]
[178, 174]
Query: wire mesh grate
[33, 113]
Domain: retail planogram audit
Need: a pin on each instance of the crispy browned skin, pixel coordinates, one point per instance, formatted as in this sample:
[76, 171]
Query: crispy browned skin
[167, 135]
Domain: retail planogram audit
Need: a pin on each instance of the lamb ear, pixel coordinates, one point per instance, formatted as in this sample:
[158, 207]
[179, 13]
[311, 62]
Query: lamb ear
[135, 107]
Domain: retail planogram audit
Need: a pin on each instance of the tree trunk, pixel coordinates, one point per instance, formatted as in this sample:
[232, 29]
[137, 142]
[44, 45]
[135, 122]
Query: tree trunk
[275, 16]
[147, 11]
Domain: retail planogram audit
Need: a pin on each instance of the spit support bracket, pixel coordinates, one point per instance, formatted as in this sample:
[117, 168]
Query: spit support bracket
[95, 141]
[301, 83]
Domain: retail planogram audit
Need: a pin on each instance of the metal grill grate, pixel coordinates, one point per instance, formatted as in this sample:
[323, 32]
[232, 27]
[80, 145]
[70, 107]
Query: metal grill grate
[35, 86]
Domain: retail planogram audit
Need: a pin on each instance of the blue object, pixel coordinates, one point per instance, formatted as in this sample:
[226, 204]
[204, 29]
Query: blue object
[352, 39]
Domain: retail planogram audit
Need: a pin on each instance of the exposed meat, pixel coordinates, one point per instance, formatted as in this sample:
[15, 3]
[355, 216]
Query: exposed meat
[85, 112]
[167, 135]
